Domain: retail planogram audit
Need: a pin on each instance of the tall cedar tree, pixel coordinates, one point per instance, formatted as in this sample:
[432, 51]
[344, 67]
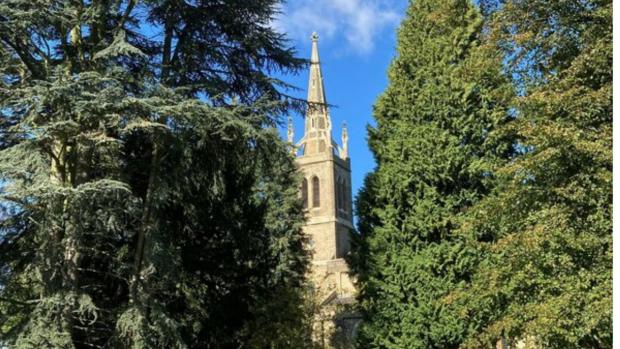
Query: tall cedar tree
[141, 208]
[434, 154]
[546, 232]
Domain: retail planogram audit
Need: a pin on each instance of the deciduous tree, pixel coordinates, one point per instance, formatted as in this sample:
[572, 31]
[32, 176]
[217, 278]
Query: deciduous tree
[546, 232]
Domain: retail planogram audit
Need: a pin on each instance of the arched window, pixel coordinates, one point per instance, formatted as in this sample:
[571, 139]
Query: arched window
[316, 192]
[304, 192]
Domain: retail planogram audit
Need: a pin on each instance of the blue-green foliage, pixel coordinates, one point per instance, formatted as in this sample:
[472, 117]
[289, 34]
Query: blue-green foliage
[136, 214]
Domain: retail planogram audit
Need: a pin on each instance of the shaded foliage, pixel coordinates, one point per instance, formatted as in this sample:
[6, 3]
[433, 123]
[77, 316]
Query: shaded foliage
[148, 201]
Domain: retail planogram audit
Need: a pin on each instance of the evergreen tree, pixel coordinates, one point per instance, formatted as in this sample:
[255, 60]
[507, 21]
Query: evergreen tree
[141, 207]
[433, 153]
[546, 232]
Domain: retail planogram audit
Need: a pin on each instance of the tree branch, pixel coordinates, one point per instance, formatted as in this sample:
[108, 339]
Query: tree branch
[126, 14]
[13, 301]
[25, 57]
[169, 33]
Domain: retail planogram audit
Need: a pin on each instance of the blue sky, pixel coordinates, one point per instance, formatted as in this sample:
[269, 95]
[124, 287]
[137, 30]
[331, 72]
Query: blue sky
[357, 40]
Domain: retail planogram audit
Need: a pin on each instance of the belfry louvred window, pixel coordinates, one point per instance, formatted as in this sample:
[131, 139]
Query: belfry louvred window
[339, 194]
[316, 192]
[346, 193]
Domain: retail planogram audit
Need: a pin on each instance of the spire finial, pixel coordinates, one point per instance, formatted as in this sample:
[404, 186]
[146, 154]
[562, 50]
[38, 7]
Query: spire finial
[314, 57]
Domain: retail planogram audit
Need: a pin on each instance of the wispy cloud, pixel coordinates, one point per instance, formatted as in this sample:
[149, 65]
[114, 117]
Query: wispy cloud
[358, 22]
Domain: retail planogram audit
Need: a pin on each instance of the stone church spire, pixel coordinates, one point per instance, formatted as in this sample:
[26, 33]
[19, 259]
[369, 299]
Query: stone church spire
[316, 90]
[317, 134]
[325, 191]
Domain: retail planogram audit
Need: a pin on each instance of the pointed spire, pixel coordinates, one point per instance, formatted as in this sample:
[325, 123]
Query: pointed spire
[316, 90]
[345, 141]
[317, 137]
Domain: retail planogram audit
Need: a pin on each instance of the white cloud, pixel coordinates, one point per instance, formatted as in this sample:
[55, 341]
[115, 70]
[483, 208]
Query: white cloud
[358, 22]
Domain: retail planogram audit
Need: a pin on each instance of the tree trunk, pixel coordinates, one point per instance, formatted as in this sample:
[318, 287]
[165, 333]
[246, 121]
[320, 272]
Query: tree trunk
[144, 235]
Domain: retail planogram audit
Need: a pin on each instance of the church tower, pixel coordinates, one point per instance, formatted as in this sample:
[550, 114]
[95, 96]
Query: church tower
[326, 187]
[326, 194]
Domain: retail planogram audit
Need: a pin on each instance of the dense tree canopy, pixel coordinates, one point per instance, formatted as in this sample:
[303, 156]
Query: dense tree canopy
[463, 240]
[147, 200]
[545, 233]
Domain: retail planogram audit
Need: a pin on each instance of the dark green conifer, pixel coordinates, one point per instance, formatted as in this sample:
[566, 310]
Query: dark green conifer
[141, 207]
[434, 155]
